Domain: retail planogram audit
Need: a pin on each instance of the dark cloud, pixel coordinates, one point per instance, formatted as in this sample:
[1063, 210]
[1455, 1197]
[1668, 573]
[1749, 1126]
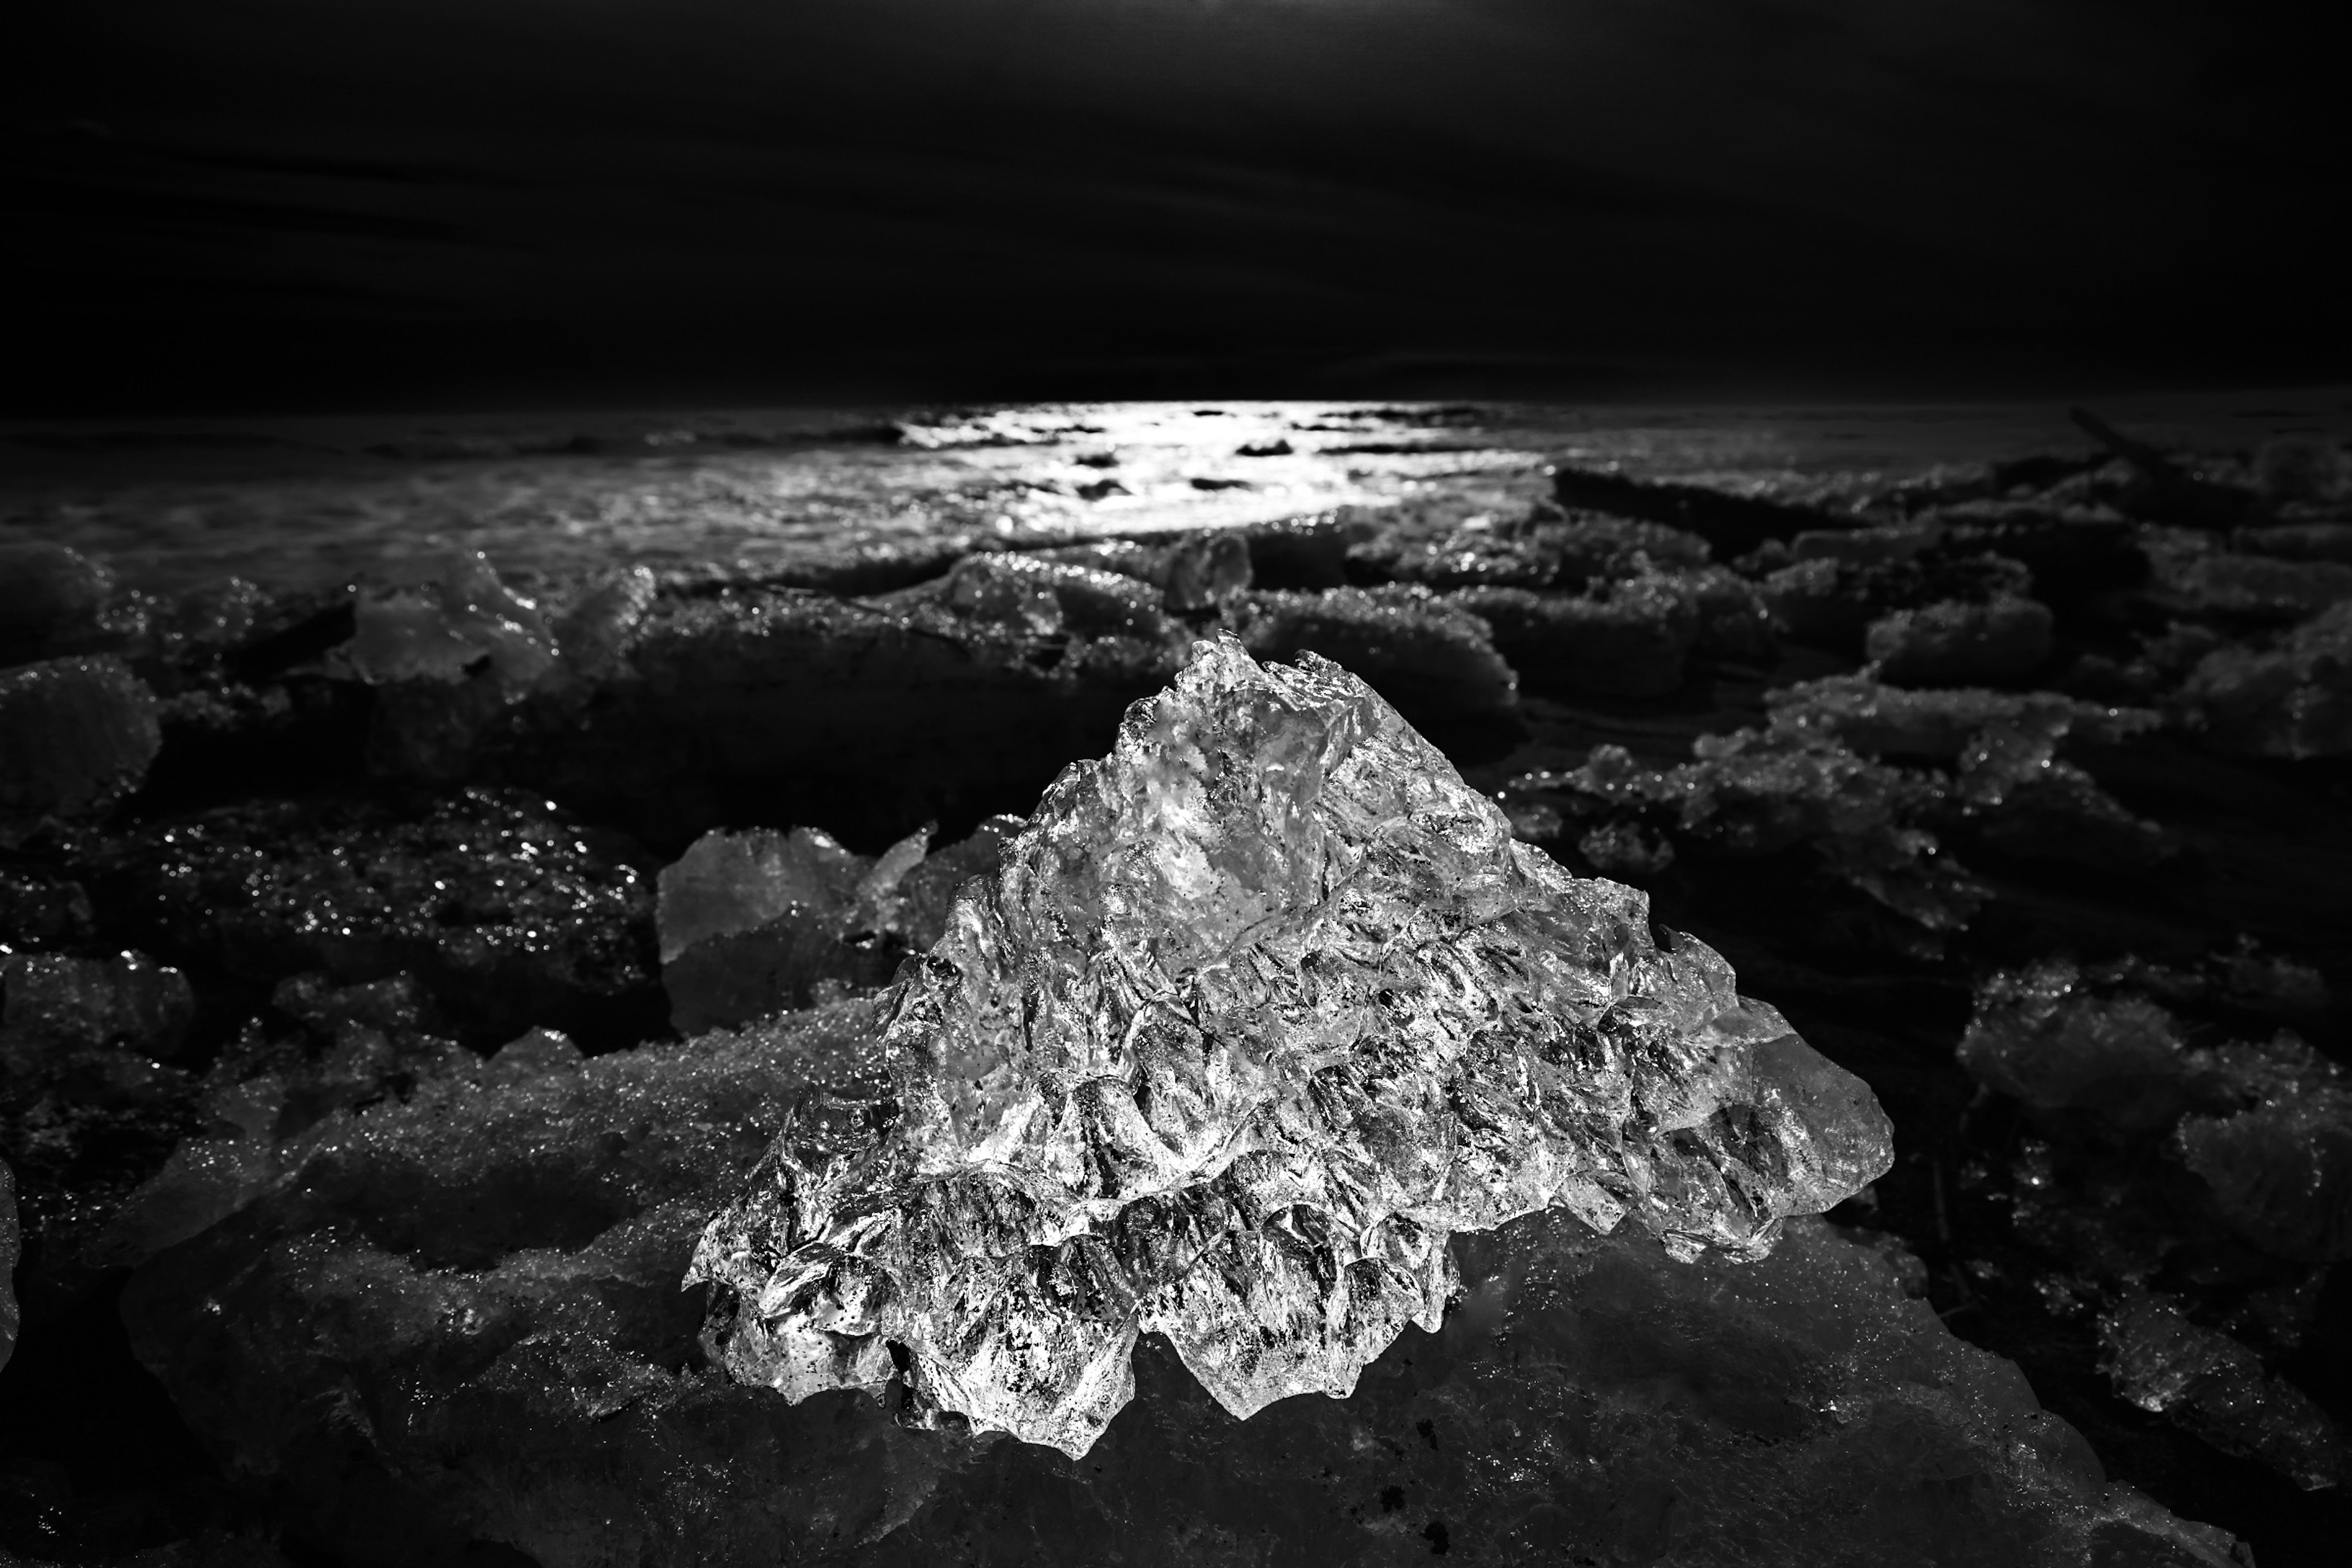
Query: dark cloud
[283, 199]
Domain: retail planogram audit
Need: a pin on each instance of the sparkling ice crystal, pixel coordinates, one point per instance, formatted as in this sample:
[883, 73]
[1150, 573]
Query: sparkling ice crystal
[1259, 1010]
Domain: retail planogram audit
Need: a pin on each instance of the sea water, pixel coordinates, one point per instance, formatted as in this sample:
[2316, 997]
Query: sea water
[308, 503]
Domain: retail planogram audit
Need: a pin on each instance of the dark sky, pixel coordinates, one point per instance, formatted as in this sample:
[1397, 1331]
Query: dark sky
[304, 203]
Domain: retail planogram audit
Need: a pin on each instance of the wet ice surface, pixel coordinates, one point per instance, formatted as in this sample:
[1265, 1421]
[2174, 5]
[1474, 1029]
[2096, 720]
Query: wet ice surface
[397, 961]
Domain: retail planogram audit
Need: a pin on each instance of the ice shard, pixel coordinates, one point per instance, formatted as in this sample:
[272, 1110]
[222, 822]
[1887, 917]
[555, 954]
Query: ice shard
[755, 923]
[752, 923]
[1257, 1012]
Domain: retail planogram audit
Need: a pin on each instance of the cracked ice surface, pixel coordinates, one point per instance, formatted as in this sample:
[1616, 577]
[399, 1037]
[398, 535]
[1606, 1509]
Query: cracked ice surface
[1260, 1009]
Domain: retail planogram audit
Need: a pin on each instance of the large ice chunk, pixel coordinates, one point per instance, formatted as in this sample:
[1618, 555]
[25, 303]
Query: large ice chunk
[1260, 1009]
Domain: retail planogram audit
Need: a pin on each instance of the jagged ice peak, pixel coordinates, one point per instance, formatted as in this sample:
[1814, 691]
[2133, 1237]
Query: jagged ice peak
[1261, 1009]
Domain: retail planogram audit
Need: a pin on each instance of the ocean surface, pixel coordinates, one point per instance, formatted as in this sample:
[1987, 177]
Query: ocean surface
[307, 502]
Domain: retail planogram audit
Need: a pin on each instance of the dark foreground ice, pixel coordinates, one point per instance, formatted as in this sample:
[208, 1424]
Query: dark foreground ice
[410, 974]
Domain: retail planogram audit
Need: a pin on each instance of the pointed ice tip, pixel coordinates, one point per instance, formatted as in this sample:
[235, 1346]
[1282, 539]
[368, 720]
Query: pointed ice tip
[1260, 1009]
[1220, 656]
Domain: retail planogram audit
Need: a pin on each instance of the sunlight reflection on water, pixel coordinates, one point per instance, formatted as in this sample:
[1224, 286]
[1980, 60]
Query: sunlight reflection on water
[313, 502]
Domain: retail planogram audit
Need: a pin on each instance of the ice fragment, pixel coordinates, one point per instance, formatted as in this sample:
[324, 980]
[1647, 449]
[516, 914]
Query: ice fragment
[2040, 1035]
[2302, 468]
[78, 1003]
[1817, 773]
[728, 883]
[488, 1267]
[592, 632]
[1426, 655]
[2298, 540]
[453, 618]
[866, 717]
[76, 735]
[537, 1054]
[1829, 602]
[2291, 700]
[2160, 1361]
[2210, 582]
[2280, 1164]
[1546, 550]
[1731, 523]
[53, 601]
[751, 923]
[87, 1112]
[1010, 589]
[1193, 574]
[926, 894]
[1628, 640]
[1950, 643]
